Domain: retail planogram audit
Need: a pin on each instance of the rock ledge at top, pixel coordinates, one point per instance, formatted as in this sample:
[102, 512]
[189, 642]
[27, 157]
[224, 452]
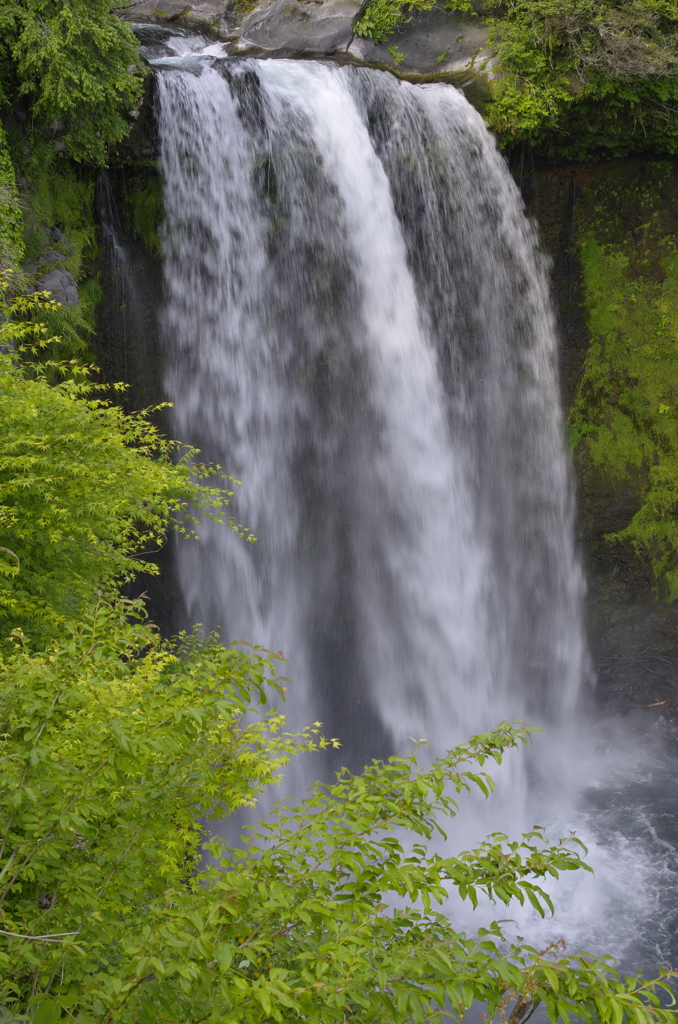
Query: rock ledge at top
[213, 16]
[430, 45]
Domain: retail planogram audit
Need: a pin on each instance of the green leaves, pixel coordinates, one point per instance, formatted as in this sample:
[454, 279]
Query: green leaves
[49, 1012]
[381, 17]
[108, 767]
[325, 915]
[585, 78]
[116, 748]
[11, 220]
[576, 78]
[86, 492]
[80, 66]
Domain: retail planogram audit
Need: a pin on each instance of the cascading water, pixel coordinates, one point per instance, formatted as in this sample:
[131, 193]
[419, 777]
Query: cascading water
[359, 329]
[357, 325]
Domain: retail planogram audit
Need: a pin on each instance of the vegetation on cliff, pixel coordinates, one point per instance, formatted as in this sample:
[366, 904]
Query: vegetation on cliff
[572, 79]
[586, 79]
[70, 75]
[624, 418]
[381, 17]
[11, 220]
[77, 67]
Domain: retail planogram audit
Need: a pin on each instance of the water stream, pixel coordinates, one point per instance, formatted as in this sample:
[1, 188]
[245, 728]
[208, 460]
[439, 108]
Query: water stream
[357, 326]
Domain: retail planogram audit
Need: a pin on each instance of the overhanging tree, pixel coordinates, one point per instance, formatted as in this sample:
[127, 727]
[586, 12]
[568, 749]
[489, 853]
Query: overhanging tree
[77, 64]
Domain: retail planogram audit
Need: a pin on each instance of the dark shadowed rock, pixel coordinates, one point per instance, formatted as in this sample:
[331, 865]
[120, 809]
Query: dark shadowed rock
[52, 257]
[61, 284]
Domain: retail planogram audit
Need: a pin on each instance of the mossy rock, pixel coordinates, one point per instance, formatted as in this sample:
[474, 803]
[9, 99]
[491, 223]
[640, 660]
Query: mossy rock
[611, 232]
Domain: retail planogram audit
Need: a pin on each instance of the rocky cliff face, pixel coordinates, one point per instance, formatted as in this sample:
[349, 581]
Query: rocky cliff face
[611, 232]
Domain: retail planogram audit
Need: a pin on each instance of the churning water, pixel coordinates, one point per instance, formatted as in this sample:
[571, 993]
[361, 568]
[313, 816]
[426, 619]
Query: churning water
[358, 326]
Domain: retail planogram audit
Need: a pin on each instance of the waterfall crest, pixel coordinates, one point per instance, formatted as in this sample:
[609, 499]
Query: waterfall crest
[358, 327]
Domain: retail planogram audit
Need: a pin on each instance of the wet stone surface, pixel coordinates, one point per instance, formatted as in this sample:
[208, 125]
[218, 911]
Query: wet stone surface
[308, 27]
[432, 42]
[62, 286]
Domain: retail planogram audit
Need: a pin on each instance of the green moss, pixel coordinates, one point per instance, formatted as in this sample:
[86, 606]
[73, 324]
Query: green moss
[143, 194]
[381, 17]
[60, 195]
[243, 7]
[624, 419]
[11, 221]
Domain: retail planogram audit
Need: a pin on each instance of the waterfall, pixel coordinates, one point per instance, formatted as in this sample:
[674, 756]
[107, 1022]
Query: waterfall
[357, 325]
[358, 328]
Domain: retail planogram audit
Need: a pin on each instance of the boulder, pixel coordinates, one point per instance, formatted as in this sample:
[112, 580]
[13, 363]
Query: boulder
[53, 257]
[435, 42]
[300, 27]
[212, 16]
[61, 284]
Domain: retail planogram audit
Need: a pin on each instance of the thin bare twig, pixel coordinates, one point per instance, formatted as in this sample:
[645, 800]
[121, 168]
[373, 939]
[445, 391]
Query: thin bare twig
[56, 937]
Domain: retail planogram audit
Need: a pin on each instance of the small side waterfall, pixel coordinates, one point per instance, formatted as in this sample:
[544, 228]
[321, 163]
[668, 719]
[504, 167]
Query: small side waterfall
[358, 327]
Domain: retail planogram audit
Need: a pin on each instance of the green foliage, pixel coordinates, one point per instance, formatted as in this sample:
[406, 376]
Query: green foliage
[60, 195]
[625, 410]
[576, 79]
[111, 760]
[11, 222]
[381, 17]
[143, 193]
[85, 490]
[79, 66]
[625, 414]
[116, 902]
[583, 79]
[114, 747]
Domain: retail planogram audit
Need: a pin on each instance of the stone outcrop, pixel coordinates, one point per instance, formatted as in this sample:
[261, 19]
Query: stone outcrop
[61, 284]
[429, 45]
[213, 16]
[435, 42]
[301, 27]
